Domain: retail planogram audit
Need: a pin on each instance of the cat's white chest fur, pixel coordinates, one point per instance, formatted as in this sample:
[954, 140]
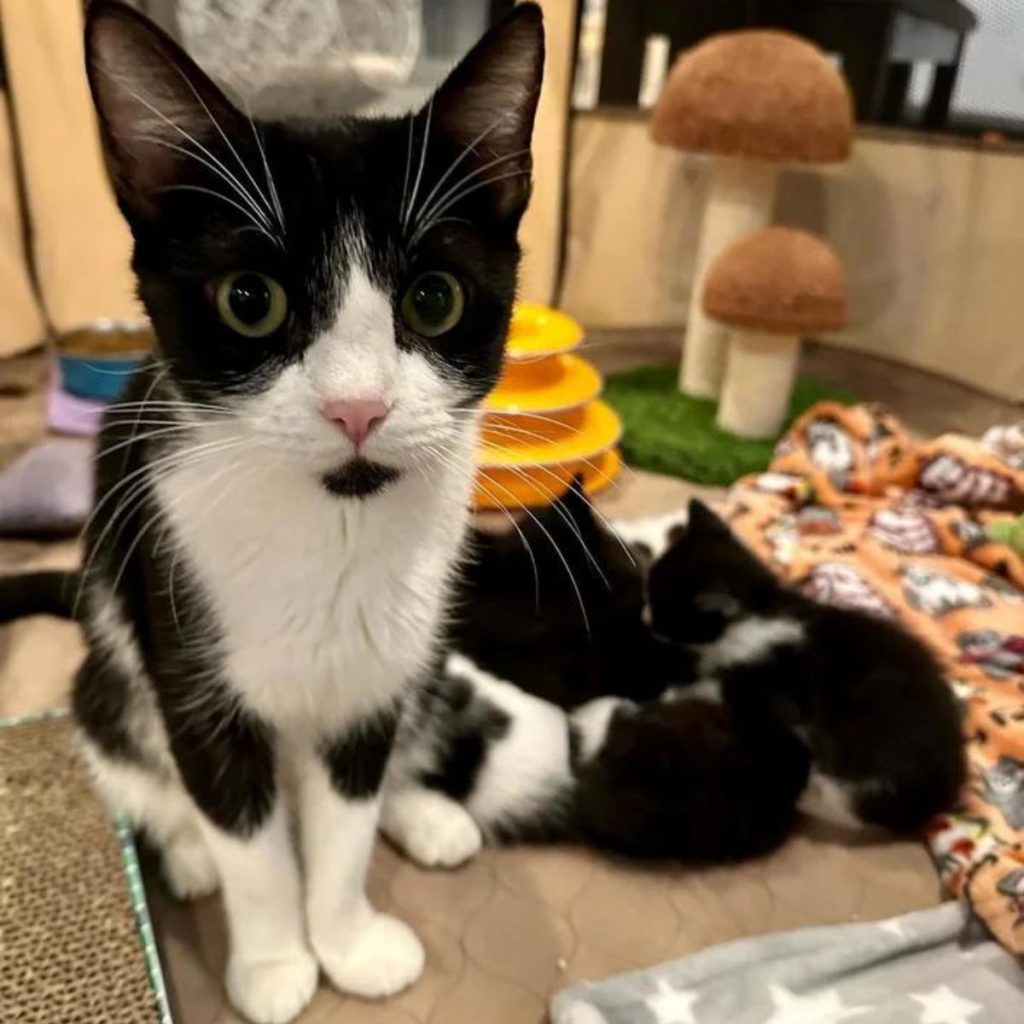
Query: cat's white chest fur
[323, 606]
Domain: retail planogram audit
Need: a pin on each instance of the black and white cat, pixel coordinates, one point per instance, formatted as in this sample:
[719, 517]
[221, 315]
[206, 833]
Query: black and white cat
[282, 496]
[867, 698]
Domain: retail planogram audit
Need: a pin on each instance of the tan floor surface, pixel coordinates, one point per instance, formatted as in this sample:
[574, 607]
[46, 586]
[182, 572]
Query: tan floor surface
[515, 925]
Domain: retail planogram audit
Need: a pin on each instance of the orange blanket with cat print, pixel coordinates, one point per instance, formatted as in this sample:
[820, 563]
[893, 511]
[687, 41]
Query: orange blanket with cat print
[856, 513]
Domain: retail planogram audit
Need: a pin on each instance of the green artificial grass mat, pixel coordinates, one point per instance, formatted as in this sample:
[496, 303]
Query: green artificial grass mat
[668, 432]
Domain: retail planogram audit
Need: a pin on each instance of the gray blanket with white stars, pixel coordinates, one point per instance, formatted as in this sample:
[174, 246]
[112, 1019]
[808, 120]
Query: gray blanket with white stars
[921, 968]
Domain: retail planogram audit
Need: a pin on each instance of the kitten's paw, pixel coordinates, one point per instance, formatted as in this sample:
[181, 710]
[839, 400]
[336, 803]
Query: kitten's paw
[272, 991]
[382, 958]
[443, 837]
[432, 830]
[188, 866]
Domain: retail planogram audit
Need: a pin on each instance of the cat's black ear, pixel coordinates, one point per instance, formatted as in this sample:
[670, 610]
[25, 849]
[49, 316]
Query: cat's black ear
[704, 522]
[486, 106]
[161, 118]
[576, 504]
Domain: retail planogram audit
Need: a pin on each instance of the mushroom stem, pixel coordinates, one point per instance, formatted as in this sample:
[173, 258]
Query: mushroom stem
[741, 194]
[758, 383]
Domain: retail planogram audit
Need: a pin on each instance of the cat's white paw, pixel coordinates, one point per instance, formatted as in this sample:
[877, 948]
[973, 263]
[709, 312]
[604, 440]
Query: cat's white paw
[272, 991]
[382, 958]
[188, 866]
[444, 837]
[431, 829]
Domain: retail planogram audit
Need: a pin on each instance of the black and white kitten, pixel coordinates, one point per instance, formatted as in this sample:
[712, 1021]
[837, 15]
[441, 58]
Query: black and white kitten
[868, 699]
[283, 495]
[478, 760]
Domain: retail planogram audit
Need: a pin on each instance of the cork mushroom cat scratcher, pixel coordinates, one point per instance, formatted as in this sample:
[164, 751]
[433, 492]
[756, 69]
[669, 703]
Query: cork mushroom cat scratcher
[75, 941]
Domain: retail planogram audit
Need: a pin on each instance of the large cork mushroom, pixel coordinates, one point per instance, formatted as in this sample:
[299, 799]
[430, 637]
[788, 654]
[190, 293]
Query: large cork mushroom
[768, 290]
[754, 99]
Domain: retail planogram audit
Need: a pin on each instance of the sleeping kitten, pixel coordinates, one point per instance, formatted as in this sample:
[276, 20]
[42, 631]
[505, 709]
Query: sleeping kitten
[478, 760]
[282, 496]
[556, 606]
[867, 698]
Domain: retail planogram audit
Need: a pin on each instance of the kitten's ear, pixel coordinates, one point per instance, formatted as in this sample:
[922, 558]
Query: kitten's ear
[157, 110]
[703, 521]
[576, 504]
[487, 106]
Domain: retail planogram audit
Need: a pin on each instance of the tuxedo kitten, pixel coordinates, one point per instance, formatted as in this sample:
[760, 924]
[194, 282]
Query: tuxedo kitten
[556, 606]
[867, 698]
[479, 760]
[282, 496]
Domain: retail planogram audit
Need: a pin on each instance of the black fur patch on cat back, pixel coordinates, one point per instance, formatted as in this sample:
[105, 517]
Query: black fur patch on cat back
[686, 781]
[360, 478]
[870, 697]
[519, 613]
[463, 728]
[357, 760]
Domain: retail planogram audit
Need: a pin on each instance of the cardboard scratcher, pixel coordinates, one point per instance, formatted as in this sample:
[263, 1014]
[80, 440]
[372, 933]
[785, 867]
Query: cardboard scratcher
[76, 945]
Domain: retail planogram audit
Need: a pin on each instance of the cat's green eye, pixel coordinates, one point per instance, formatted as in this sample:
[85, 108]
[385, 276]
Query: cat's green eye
[433, 304]
[251, 303]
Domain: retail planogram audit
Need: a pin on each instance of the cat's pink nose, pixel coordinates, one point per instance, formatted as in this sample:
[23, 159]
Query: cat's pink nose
[356, 417]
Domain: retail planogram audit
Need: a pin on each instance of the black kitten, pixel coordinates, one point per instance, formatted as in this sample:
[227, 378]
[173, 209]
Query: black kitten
[557, 609]
[867, 698]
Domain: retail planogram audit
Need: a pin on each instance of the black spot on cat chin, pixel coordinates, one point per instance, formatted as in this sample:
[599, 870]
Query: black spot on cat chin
[359, 478]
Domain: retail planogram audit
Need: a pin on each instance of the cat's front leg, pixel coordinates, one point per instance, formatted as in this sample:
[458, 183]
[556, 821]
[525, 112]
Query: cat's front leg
[363, 952]
[228, 769]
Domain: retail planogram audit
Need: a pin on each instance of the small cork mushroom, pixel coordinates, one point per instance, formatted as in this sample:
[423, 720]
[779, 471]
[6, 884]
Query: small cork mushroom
[770, 289]
[754, 99]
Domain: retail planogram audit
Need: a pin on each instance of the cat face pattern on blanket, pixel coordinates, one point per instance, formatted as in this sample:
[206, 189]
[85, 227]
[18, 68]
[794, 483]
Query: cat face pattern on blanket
[283, 495]
[898, 528]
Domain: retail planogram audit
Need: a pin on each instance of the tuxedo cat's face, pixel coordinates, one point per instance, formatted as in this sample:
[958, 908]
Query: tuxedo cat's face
[705, 580]
[338, 292]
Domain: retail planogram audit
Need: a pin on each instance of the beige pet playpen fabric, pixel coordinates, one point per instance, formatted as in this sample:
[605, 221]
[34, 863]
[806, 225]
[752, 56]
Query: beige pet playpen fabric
[931, 234]
[21, 320]
[80, 243]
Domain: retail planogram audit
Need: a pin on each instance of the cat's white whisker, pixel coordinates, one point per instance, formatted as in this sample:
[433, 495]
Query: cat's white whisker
[227, 142]
[149, 472]
[427, 210]
[220, 195]
[470, 147]
[403, 205]
[254, 212]
[423, 160]
[556, 503]
[455, 200]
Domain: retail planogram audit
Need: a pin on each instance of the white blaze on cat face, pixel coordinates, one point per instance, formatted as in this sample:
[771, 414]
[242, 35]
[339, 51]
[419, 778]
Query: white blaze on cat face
[357, 358]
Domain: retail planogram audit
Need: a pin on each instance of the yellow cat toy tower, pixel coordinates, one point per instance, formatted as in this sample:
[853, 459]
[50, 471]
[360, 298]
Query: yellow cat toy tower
[544, 423]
